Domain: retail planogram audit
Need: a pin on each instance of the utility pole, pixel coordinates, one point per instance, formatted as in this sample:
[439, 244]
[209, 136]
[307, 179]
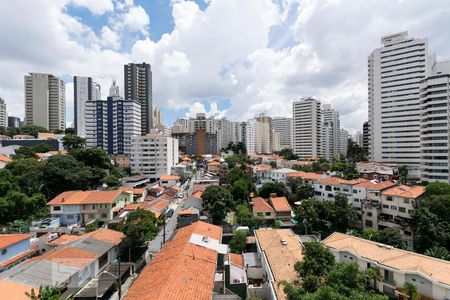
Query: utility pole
[164, 230]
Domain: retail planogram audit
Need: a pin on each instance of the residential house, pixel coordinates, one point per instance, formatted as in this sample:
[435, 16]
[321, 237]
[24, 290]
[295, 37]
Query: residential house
[186, 268]
[274, 175]
[14, 249]
[307, 177]
[430, 275]
[213, 166]
[397, 209]
[283, 211]
[235, 275]
[279, 250]
[82, 207]
[194, 200]
[328, 188]
[262, 209]
[169, 180]
[74, 261]
[372, 170]
[188, 216]
[4, 160]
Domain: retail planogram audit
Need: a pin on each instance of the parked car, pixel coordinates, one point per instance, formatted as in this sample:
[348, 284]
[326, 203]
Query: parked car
[169, 213]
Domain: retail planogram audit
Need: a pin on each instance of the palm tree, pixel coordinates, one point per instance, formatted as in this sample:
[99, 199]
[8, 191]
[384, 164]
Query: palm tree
[374, 273]
[403, 173]
[411, 290]
[438, 252]
[46, 292]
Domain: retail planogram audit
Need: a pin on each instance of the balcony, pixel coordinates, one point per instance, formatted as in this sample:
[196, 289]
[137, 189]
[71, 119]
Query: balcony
[389, 281]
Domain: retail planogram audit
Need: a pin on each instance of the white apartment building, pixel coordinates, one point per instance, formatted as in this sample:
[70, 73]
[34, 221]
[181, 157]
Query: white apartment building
[84, 89]
[45, 101]
[154, 154]
[343, 142]
[202, 122]
[428, 274]
[331, 117]
[247, 130]
[283, 126]
[157, 117]
[394, 74]
[435, 124]
[306, 128]
[3, 114]
[227, 132]
[328, 142]
[262, 138]
[111, 124]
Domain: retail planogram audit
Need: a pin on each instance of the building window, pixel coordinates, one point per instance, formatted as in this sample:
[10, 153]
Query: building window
[56, 208]
[104, 216]
[389, 198]
[267, 213]
[402, 209]
[70, 216]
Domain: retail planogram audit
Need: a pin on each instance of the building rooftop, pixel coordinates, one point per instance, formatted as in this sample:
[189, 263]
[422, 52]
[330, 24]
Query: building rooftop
[376, 185]
[280, 204]
[283, 249]
[261, 205]
[181, 270]
[236, 259]
[435, 269]
[7, 240]
[102, 234]
[86, 197]
[169, 177]
[5, 159]
[305, 175]
[405, 191]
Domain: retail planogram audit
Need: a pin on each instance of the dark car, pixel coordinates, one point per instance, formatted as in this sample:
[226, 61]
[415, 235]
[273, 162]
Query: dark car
[169, 213]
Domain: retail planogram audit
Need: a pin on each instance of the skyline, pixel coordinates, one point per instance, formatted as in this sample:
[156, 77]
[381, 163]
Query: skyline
[222, 52]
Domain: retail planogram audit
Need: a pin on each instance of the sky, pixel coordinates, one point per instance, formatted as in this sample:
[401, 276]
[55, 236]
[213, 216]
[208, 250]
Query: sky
[233, 58]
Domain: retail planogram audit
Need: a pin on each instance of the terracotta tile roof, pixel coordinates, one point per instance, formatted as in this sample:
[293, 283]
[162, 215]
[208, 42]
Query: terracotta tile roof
[435, 269]
[356, 181]
[7, 240]
[169, 177]
[14, 291]
[281, 258]
[405, 191]
[236, 259]
[86, 197]
[155, 212]
[197, 194]
[376, 185]
[280, 204]
[333, 181]
[131, 206]
[102, 234]
[181, 270]
[5, 159]
[202, 186]
[214, 163]
[69, 256]
[185, 212]
[305, 175]
[159, 205]
[166, 197]
[261, 205]
[149, 198]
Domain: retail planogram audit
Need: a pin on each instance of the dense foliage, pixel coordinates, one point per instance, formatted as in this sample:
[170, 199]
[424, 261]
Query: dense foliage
[219, 202]
[320, 278]
[355, 153]
[238, 242]
[288, 154]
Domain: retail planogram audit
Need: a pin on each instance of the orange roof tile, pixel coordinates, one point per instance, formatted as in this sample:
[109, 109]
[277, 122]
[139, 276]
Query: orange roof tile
[169, 177]
[18, 257]
[69, 256]
[376, 186]
[305, 175]
[197, 194]
[14, 291]
[155, 212]
[214, 163]
[185, 212]
[181, 270]
[159, 206]
[5, 159]
[405, 191]
[261, 205]
[333, 181]
[280, 204]
[131, 206]
[436, 269]
[101, 234]
[236, 259]
[86, 197]
[7, 240]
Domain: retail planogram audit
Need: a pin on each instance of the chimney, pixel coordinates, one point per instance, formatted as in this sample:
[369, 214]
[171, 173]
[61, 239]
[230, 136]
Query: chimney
[273, 195]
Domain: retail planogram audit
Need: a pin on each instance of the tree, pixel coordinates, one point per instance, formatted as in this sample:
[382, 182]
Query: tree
[273, 187]
[92, 157]
[411, 290]
[42, 148]
[244, 217]
[374, 274]
[72, 141]
[288, 154]
[140, 227]
[236, 159]
[46, 292]
[438, 252]
[238, 242]
[355, 153]
[370, 234]
[317, 260]
[218, 201]
[32, 130]
[91, 226]
[429, 230]
[403, 173]
[24, 152]
[19, 226]
[112, 181]
[304, 192]
[391, 236]
[345, 214]
[62, 173]
[70, 130]
[240, 190]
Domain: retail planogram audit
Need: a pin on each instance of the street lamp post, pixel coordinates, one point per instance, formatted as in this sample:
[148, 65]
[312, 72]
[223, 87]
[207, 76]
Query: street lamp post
[119, 278]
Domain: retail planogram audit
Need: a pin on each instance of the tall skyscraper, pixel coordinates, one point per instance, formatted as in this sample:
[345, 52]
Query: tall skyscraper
[3, 114]
[343, 142]
[263, 118]
[111, 124]
[283, 126]
[138, 86]
[331, 118]
[306, 128]
[45, 101]
[157, 117]
[84, 89]
[435, 124]
[366, 138]
[395, 71]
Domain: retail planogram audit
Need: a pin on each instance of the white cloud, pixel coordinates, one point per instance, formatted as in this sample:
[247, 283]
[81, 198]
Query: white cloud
[176, 63]
[198, 107]
[110, 38]
[97, 7]
[135, 19]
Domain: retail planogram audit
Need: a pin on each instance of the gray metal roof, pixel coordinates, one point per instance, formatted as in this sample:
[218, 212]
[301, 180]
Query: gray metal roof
[39, 272]
[252, 259]
[92, 245]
